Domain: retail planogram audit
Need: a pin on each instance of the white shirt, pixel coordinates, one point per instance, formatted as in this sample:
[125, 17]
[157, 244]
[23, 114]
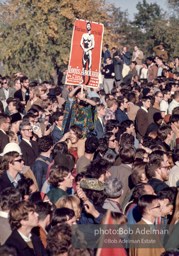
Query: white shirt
[4, 214]
[27, 141]
[173, 180]
[164, 106]
[25, 238]
[173, 105]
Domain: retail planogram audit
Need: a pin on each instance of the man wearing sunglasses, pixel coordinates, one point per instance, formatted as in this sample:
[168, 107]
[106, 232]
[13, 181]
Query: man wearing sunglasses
[13, 165]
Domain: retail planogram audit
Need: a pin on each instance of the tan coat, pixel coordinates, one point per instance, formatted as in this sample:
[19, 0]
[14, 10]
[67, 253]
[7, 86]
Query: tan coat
[146, 251]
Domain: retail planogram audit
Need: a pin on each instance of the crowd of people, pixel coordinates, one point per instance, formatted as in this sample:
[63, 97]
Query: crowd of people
[79, 155]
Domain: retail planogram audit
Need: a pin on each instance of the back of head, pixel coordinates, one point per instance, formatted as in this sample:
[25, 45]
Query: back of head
[113, 187]
[9, 197]
[59, 239]
[91, 144]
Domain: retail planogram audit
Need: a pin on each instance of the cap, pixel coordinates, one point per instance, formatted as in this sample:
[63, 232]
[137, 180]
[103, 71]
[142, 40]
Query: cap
[11, 147]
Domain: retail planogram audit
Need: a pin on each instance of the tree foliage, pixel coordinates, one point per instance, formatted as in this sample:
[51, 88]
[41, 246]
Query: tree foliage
[36, 34]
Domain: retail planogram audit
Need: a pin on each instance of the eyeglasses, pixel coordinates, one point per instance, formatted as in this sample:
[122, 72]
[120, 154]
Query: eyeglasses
[19, 160]
[29, 130]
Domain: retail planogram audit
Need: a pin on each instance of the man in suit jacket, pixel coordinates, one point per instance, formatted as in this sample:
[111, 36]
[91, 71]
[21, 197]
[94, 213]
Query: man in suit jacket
[57, 132]
[28, 147]
[23, 93]
[23, 218]
[141, 121]
[4, 127]
[99, 122]
[149, 207]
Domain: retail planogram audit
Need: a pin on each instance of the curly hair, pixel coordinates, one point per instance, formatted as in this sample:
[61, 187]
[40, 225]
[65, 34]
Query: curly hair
[45, 143]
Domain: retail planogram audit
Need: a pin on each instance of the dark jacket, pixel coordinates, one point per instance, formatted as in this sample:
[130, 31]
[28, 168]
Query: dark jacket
[99, 129]
[56, 134]
[4, 139]
[121, 115]
[5, 181]
[29, 153]
[22, 248]
[157, 184]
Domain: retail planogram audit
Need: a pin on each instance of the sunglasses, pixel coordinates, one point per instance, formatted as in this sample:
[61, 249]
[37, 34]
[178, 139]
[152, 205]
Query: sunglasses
[19, 160]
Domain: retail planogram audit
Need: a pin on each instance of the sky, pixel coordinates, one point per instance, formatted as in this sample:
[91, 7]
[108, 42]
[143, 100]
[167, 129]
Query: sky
[130, 5]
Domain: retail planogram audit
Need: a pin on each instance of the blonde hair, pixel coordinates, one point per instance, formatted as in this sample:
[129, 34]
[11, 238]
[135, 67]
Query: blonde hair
[71, 202]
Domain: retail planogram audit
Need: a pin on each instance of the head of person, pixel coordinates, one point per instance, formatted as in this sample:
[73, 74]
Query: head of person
[75, 133]
[98, 169]
[26, 187]
[5, 82]
[63, 215]
[17, 84]
[91, 145]
[122, 102]
[112, 104]
[112, 126]
[24, 82]
[59, 240]
[126, 140]
[4, 122]
[45, 143]
[60, 177]
[23, 214]
[26, 130]
[57, 118]
[71, 202]
[108, 61]
[176, 96]
[142, 189]
[8, 197]
[111, 139]
[138, 173]
[12, 161]
[113, 188]
[127, 155]
[167, 200]
[128, 126]
[44, 211]
[13, 105]
[158, 96]
[158, 166]
[165, 133]
[149, 60]
[146, 101]
[100, 108]
[141, 155]
[149, 205]
[174, 119]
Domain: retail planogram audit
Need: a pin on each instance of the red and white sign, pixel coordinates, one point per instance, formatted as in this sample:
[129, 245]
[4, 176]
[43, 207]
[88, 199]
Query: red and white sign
[85, 57]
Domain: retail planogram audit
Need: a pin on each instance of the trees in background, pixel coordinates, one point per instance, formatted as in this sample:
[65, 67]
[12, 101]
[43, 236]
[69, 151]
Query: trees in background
[36, 34]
